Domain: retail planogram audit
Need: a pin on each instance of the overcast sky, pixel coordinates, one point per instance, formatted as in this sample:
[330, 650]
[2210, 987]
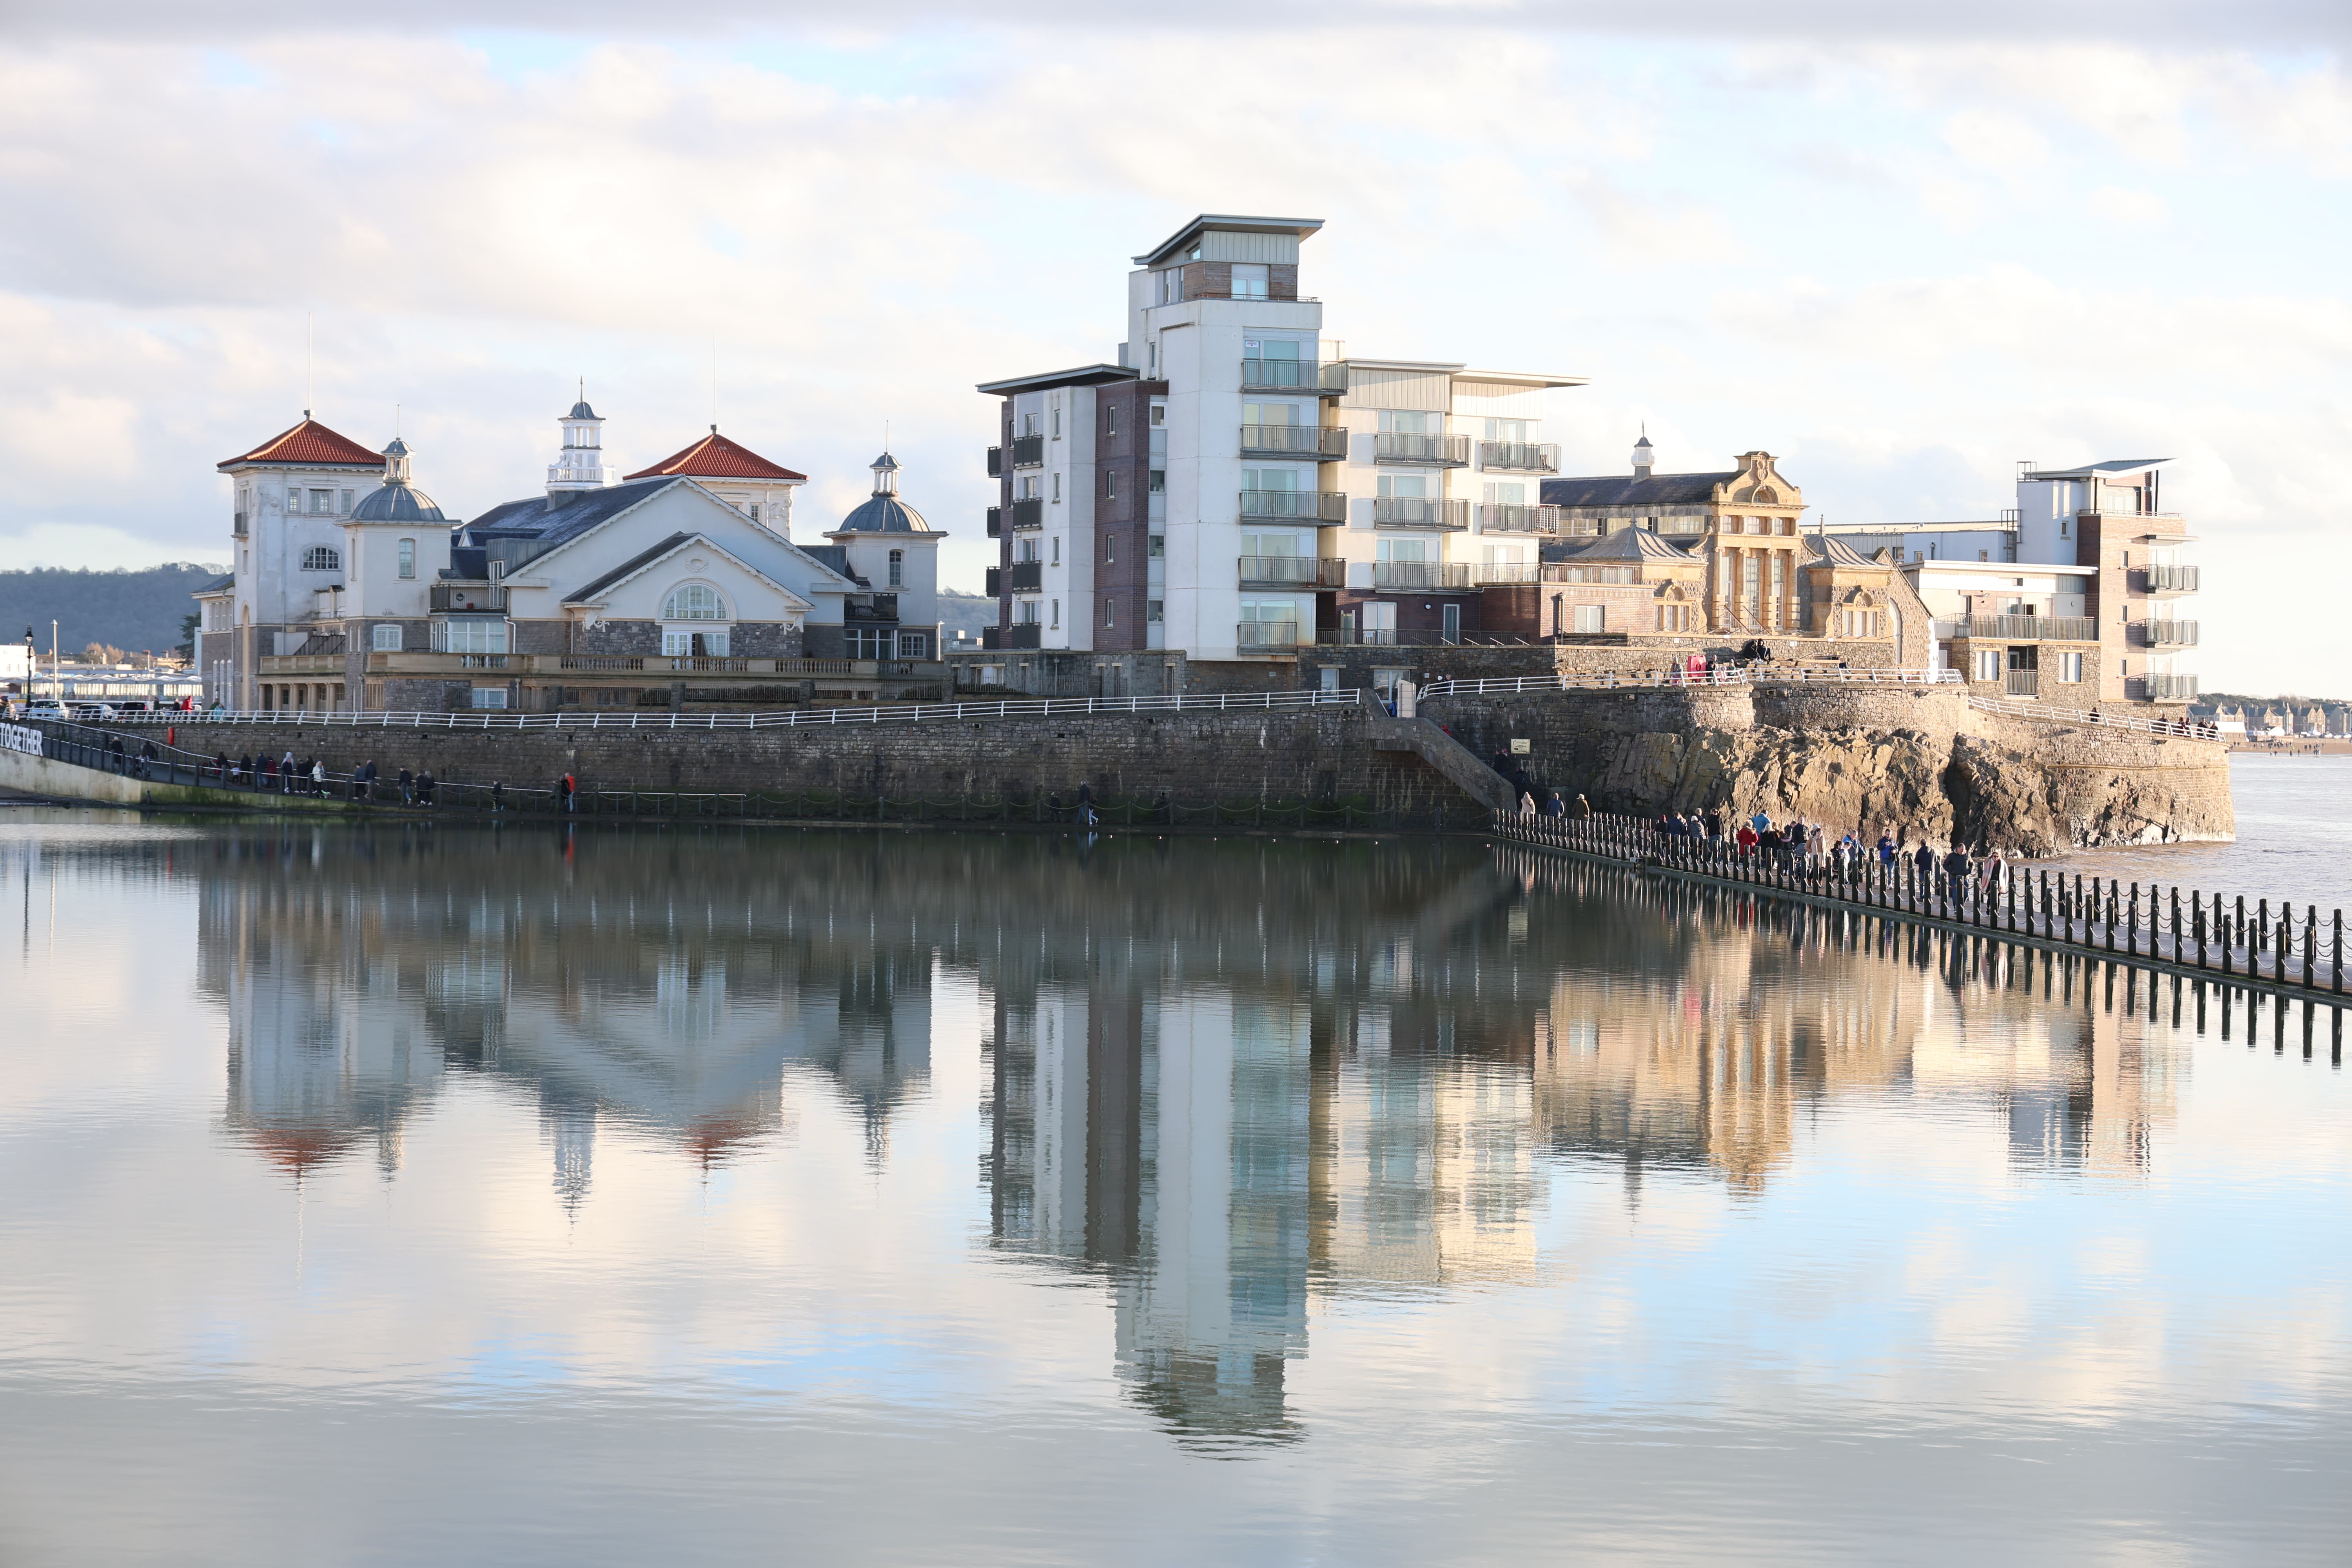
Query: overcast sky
[1901, 255]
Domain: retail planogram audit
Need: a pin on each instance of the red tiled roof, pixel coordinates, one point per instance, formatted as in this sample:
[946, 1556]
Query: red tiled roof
[310, 442]
[716, 458]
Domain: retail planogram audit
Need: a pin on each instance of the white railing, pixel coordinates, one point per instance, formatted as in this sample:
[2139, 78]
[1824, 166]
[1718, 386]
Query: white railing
[2012, 707]
[1723, 675]
[908, 713]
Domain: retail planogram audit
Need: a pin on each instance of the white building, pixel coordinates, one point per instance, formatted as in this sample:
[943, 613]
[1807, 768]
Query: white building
[1234, 486]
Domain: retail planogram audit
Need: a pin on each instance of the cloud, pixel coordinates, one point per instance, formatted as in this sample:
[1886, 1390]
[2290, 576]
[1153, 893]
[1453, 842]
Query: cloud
[2131, 209]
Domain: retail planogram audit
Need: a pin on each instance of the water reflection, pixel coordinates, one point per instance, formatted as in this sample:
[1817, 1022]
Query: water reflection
[1229, 1082]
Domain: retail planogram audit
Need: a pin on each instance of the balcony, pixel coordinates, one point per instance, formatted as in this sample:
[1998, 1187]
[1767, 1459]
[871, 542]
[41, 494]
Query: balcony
[996, 462]
[1028, 451]
[1325, 444]
[1499, 574]
[1520, 456]
[2165, 582]
[1504, 517]
[1566, 573]
[1022, 576]
[459, 598]
[1025, 634]
[1422, 577]
[2171, 688]
[2020, 629]
[2166, 633]
[1026, 514]
[1266, 637]
[1321, 507]
[995, 522]
[1294, 375]
[1292, 571]
[1420, 511]
[1422, 451]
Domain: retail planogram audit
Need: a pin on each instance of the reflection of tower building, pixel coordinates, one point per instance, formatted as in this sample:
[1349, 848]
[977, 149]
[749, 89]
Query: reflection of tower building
[569, 1124]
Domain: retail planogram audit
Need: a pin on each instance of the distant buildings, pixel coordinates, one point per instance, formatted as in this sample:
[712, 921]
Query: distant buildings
[353, 593]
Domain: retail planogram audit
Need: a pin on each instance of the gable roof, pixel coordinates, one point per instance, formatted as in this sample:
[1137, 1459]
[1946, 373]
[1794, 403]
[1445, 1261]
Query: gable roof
[716, 458]
[307, 442]
[668, 547]
[1633, 490]
[564, 515]
[214, 590]
[1829, 547]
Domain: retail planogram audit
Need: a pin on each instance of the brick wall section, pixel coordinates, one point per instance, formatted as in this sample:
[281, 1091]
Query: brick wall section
[1121, 543]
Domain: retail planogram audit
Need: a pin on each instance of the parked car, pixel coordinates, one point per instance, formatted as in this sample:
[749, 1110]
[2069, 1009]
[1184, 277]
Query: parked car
[46, 708]
[87, 712]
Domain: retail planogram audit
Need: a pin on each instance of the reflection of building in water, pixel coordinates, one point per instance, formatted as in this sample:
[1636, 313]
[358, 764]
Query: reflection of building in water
[356, 980]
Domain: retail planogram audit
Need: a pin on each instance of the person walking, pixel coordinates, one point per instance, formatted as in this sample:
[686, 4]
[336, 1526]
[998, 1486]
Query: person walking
[1759, 822]
[286, 773]
[318, 777]
[1086, 803]
[425, 786]
[498, 794]
[1956, 874]
[1746, 840]
[407, 787]
[563, 794]
[1923, 865]
[1554, 806]
[1583, 808]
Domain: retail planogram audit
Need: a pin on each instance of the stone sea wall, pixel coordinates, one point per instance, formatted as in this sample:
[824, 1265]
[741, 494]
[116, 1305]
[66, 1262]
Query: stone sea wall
[1918, 761]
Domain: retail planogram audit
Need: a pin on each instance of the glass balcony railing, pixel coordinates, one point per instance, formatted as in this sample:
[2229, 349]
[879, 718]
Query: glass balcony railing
[1293, 572]
[1520, 456]
[2159, 580]
[1319, 506]
[1421, 576]
[1327, 443]
[1263, 637]
[1505, 517]
[2171, 688]
[1294, 375]
[1420, 511]
[2168, 633]
[1427, 451]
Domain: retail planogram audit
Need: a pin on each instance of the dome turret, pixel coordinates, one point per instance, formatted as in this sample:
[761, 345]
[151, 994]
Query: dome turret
[396, 501]
[885, 513]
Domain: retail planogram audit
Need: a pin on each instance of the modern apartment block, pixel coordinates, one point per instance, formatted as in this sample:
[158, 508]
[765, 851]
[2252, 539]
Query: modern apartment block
[2079, 590]
[1233, 487]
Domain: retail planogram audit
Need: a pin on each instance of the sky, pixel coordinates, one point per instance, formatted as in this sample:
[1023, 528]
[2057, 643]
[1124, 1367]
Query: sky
[1901, 254]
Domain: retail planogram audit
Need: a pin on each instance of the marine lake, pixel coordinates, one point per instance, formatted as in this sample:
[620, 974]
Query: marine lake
[463, 1195]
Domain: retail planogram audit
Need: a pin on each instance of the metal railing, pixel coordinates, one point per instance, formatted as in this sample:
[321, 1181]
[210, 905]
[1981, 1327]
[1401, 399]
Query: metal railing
[1028, 451]
[1285, 570]
[1520, 456]
[1420, 511]
[1290, 506]
[2020, 629]
[1294, 375]
[1026, 513]
[2098, 717]
[1570, 573]
[444, 598]
[1421, 576]
[1266, 635]
[2170, 579]
[1433, 451]
[995, 522]
[1500, 573]
[2195, 933]
[1328, 443]
[1419, 637]
[996, 462]
[2166, 633]
[2024, 683]
[1682, 675]
[1510, 517]
[1020, 635]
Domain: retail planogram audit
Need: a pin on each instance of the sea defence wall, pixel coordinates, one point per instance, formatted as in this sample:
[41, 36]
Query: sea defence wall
[1919, 759]
[1328, 753]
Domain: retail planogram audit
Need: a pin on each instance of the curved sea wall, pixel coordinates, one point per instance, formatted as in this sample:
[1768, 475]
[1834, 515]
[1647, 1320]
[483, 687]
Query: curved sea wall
[1916, 759]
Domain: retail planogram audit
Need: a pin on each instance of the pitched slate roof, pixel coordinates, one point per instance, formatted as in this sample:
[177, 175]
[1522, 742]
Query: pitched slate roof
[643, 559]
[1633, 490]
[566, 514]
[1837, 551]
[716, 458]
[1631, 544]
[209, 589]
[308, 442]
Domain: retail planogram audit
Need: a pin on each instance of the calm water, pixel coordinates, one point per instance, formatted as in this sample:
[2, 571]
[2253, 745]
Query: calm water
[2295, 839]
[406, 1195]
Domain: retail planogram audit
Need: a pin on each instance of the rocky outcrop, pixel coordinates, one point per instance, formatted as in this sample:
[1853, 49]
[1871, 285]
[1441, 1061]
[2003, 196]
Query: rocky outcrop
[1922, 763]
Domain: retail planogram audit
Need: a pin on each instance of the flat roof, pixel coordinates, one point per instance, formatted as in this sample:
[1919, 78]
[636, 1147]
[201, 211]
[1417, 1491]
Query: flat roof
[2001, 568]
[2097, 470]
[1081, 376]
[1231, 222]
[1461, 371]
[1958, 526]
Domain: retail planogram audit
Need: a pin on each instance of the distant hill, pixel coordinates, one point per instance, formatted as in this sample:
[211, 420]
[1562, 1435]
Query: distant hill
[134, 610]
[966, 612]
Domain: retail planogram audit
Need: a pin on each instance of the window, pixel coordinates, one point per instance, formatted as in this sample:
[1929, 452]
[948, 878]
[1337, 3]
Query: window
[1057, 613]
[408, 558]
[1110, 419]
[1057, 423]
[1028, 486]
[897, 568]
[1158, 414]
[1058, 550]
[321, 502]
[1157, 546]
[684, 644]
[1591, 617]
[2069, 667]
[1028, 612]
[1154, 611]
[469, 635]
[1111, 484]
[1156, 481]
[1410, 421]
[1511, 430]
[1988, 663]
[1107, 612]
[1028, 424]
[347, 504]
[386, 639]
[1673, 617]
[694, 602]
[1028, 550]
[755, 511]
[1109, 551]
[911, 644]
[1249, 279]
[322, 558]
[490, 697]
[1058, 490]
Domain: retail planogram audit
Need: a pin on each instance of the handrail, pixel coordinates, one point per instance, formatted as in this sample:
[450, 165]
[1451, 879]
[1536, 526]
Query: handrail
[1718, 675]
[908, 713]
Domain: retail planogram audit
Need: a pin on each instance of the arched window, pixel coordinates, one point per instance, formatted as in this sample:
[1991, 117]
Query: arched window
[694, 602]
[322, 558]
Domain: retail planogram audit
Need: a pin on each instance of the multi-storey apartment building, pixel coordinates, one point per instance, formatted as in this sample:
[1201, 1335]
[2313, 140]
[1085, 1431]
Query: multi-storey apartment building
[1233, 486]
[2080, 590]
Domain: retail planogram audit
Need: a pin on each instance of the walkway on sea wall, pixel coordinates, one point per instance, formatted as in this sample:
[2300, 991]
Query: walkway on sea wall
[2195, 934]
